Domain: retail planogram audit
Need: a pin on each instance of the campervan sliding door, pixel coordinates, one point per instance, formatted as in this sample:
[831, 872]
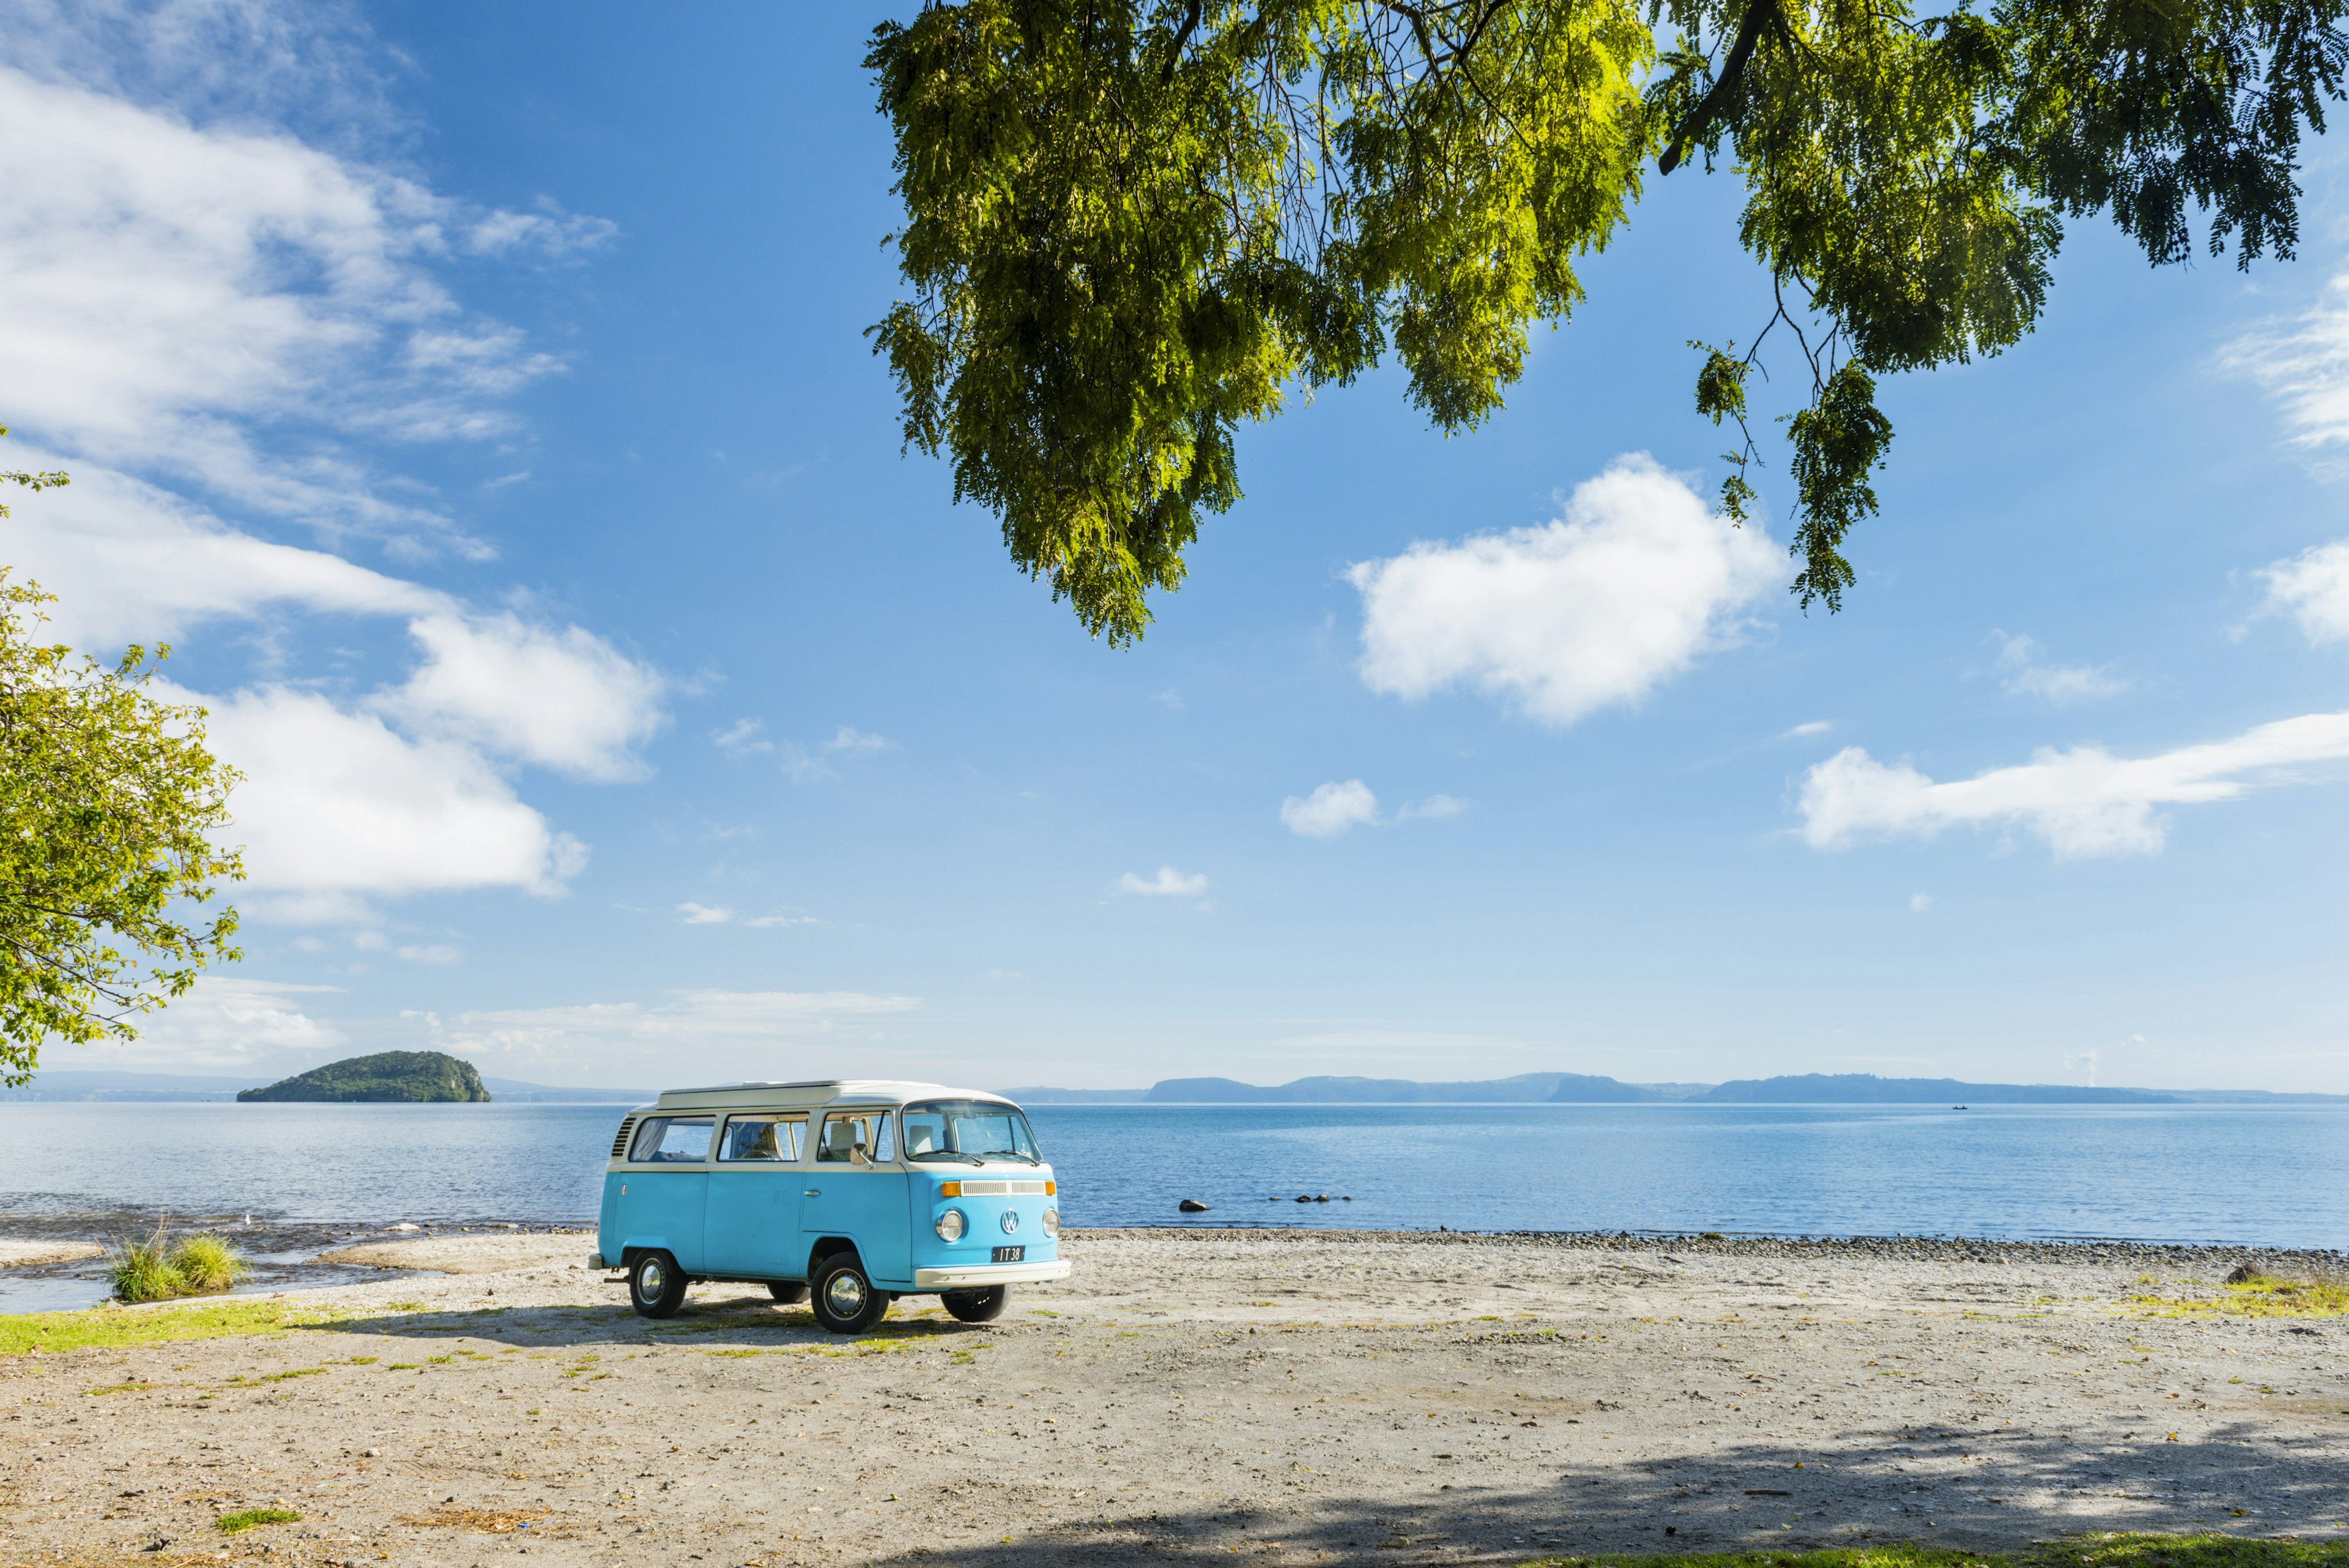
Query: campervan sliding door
[753, 1222]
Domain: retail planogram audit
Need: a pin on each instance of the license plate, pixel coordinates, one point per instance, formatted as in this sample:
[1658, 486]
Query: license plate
[1010, 1254]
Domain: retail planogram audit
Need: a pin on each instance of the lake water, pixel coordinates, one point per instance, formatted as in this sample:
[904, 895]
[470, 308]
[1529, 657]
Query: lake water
[2272, 1175]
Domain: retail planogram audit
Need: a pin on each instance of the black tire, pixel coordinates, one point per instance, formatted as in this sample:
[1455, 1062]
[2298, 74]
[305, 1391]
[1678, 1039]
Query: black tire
[977, 1306]
[655, 1285]
[843, 1295]
[790, 1293]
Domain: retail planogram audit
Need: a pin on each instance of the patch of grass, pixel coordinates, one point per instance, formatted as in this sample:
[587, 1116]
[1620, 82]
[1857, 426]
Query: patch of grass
[2103, 1551]
[2315, 1294]
[142, 1271]
[206, 1263]
[236, 1523]
[112, 1328]
[158, 1271]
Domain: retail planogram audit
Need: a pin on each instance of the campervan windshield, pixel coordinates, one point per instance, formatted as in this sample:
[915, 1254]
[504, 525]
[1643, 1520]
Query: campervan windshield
[968, 1132]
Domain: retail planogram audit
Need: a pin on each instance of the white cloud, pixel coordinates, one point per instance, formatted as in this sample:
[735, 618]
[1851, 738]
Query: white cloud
[745, 1020]
[133, 562]
[563, 699]
[1919, 902]
[172, 288]
[1434, 807]
[704, 914]
[2304, 366]
[337, 805]
[2023, 674]
[847, 744]
[2083, 803]
[741, 738]
[1168, 884]
[434, 952]
[2313, 587]
[225, 1020]
[1815, 727]
[770, 922]
[1626, 591]
[1331, 810]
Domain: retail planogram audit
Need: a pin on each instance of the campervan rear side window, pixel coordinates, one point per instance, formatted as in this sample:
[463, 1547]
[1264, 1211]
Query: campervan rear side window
[763, 1136]
[667, 1140]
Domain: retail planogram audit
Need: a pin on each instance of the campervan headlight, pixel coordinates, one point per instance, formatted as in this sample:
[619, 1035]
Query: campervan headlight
[1051, 1223]
[950, 1225]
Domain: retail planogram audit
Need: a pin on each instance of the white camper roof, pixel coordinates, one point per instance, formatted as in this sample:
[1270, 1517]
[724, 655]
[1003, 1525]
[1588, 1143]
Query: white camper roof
[813, 1094]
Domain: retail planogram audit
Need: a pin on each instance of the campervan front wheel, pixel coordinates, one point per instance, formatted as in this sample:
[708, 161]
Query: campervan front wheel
[655, 1287]
[843, 1296]
[977, 1306]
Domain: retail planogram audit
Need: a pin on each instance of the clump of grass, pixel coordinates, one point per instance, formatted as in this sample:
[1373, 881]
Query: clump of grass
[206, 1263]
[143, 1271]
[234, 1523]
[157, 1271]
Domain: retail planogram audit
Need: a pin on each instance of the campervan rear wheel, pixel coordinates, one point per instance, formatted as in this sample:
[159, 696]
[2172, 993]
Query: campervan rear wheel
[655, 1287]
[791, 1292]
[977, 1306]
[843, 1296]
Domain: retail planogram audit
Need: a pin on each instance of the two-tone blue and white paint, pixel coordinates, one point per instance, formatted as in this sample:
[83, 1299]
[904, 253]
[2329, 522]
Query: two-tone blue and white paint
[847, 1192]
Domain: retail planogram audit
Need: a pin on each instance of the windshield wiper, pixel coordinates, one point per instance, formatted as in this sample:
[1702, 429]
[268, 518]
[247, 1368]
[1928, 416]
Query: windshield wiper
[949, 1154]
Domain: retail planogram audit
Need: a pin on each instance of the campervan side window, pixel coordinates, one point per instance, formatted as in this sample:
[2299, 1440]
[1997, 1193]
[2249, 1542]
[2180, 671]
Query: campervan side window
[673, 1140]
[763, 1136]
[855, 1137]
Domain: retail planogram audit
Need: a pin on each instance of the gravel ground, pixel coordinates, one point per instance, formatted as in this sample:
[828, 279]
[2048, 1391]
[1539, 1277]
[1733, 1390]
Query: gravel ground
[1300, 1396]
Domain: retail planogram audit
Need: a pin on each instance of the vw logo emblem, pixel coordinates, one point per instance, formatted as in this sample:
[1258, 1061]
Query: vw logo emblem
[1011, 1221]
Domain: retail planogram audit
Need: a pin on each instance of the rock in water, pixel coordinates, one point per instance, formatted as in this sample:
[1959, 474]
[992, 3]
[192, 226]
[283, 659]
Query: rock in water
[1192, 1206]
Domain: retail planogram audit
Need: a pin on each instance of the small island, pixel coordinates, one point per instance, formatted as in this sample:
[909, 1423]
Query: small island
[389, 1076]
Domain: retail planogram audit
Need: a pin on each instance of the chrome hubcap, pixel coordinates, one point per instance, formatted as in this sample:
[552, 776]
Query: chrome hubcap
[651, 1281]
[843, 1295]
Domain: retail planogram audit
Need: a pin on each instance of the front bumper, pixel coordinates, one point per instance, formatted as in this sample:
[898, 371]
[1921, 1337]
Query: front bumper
[977, 1276]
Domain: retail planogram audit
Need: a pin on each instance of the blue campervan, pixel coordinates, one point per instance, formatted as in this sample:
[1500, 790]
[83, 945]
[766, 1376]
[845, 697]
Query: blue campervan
[845, 1193]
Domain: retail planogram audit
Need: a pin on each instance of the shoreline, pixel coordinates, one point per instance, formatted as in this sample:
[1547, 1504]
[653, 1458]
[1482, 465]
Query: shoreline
[1304, 1396]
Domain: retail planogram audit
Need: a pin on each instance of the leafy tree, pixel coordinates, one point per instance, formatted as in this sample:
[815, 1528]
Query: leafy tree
[108, 800]
[1132, 224]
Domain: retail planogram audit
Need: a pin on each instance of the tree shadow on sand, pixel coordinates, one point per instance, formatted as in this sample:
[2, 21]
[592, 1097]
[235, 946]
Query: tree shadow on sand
[2016, 1490]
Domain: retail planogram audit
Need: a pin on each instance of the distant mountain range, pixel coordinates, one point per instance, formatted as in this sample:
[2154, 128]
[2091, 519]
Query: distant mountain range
[1525, 1088]
[1576, 1089]
[86, 1084]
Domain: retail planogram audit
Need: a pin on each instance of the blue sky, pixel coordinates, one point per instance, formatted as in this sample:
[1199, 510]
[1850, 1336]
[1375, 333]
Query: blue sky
[483, 413]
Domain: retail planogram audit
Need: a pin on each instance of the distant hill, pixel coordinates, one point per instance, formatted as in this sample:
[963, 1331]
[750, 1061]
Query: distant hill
[389, 1076]
[1526, 1087]
[1867, 1088]
[511, 1090]
[1576, 1088]
[72, 1084]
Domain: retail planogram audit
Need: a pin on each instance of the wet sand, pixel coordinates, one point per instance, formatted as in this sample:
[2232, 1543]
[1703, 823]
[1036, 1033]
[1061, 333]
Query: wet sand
[1302, 1397]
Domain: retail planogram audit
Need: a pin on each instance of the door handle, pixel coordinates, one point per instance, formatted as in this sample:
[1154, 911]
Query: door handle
[812, 1192]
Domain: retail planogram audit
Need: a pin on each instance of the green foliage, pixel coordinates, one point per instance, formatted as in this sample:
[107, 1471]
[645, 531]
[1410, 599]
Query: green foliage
[237, 1523]
[1132, 225]
[155, 1271]
[387, 1075]
[142, 1271]
[206, 1263]
[108, 803]
[112, 1328]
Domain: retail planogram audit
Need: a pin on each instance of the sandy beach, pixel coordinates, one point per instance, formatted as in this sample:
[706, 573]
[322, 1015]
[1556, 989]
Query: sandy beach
[1297, 1396]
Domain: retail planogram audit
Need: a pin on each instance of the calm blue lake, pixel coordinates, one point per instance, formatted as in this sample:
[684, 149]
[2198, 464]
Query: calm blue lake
[2273, 1176]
